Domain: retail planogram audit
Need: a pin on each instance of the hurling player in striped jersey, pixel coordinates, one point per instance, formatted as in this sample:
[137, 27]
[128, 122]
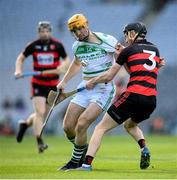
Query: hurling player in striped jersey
[137, 103]
[50, 59]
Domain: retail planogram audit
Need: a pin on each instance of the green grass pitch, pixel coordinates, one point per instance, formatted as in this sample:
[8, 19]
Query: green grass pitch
[118, 158]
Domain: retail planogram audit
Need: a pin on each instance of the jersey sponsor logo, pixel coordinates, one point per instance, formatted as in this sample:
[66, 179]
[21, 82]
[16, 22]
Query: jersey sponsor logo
[45, 48]
[36, 91]
[52, 46]
[84, 63]
[38, 47]
[88, 53]
[45, 59]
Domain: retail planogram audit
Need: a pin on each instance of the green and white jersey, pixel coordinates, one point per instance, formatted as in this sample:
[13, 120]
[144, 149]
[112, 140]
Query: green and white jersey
[95, 58]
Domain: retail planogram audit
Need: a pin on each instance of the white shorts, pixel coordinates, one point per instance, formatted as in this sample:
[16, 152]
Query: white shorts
[102, 94]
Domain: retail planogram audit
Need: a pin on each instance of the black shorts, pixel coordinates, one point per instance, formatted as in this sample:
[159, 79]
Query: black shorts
[38, 90]
[130, 105]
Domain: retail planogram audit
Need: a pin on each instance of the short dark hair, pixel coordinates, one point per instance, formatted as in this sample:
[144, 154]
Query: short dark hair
[44, 24]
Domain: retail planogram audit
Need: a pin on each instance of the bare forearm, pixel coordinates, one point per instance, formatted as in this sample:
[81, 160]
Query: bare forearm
[64, 66]
[60, 69]
[105, 77]
[108, 75]
[74, 68]
[19, 63]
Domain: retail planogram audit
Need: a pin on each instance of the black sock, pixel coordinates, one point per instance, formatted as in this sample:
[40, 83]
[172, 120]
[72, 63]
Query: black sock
[88, 160]
[77, 153]
[71, 139]
[142, 143]
[39, 140]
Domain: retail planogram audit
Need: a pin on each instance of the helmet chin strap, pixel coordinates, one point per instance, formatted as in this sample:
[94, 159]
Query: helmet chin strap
[136, 36]
[133, 39]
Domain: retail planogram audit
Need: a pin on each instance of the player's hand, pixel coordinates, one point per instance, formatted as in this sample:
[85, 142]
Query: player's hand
[61, 85]
[18, 74]
[119, 47]
[162, 62]
[90, 84]
[61, 70]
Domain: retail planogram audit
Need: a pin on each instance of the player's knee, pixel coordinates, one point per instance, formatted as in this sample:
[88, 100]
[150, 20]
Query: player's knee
[100, 128]
[81, 127]
[128, 125]
[40, 113]
[68, 128]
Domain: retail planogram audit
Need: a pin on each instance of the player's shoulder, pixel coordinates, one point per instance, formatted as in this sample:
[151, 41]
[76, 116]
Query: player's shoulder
[151, 44]
[105, 36]
[76, 44]
[35, 41]
[55, 40]
[32, 43]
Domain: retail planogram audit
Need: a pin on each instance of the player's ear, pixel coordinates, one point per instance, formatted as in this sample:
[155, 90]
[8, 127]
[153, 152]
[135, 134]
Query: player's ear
[132, 34]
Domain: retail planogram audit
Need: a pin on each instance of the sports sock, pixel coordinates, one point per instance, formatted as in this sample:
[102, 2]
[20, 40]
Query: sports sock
[71, 139]
[39, 140]
[88, 160]
[142, 143]
[77, 153]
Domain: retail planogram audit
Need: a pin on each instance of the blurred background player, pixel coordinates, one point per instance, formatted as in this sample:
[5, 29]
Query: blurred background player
[94, 52]
[46, 52]
[138, 102]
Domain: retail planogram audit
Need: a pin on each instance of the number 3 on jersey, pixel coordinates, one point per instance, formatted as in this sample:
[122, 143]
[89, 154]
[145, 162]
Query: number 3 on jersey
[151, 58]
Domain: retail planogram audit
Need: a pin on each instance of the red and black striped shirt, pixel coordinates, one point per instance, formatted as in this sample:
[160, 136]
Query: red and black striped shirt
[142, 59]
[46, 56]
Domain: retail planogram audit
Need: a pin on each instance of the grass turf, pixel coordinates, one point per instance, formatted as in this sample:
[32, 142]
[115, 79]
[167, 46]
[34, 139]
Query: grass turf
[118, 158]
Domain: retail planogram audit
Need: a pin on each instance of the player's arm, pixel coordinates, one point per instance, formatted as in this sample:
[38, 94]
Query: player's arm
[73, 69]
[126, 68]
[105, 77]
[60, 69]
[111, 73]
[161, 63]
[21, 58]
[64, 66]
[119, 48]
[19, 65]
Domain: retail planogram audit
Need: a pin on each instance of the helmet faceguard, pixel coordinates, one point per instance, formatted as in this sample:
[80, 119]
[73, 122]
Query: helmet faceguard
[77, 21]
[44, 25]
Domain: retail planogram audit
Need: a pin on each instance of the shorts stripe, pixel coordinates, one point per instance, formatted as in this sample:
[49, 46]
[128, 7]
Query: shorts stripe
[110, 98]
[121, 99]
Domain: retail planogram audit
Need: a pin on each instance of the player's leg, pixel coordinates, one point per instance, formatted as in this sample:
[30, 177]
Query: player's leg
[145, 105]
[116, 115]
[80, 146]
[70, 120]
[96, 101]
[133, 129]
[23, 126]
[95, 142]
[69, 124]
[84, 121]
[39, 104]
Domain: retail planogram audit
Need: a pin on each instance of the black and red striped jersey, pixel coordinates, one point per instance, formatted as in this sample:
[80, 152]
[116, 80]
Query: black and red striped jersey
[142, 59]
[46, 56]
